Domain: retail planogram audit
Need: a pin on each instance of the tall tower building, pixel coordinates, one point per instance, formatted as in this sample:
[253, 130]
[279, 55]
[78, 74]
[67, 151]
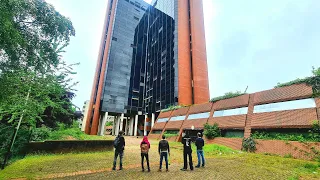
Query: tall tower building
[151, 57]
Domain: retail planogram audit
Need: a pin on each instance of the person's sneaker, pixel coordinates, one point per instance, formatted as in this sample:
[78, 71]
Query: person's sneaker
[113, 168]
[167, 170]
[202, 165]
[182, 169]
[197, 166]
[148, 170]
[120, 169]
[191, 169]
[142, 170]
[159, 170]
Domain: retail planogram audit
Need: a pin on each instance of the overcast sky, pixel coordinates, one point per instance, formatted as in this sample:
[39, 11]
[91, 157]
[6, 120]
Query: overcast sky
[249, 42]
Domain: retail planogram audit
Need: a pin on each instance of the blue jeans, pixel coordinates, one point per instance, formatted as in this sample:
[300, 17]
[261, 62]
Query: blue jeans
[200, 153]
[165, 156]
[116, 154]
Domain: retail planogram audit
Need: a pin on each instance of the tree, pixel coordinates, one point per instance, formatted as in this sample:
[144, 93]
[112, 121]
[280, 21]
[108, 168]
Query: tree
[28, 31]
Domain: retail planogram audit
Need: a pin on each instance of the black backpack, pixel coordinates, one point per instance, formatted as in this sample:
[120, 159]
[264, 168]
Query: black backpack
[116, 142]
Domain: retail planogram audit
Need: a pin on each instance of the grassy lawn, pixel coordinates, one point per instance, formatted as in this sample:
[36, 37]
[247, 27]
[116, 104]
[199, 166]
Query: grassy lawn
[222, 163]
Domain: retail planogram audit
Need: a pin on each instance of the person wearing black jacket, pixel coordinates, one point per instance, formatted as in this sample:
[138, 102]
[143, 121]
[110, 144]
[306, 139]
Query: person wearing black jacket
[164, 151]
[200, 144]
[119, 148]
[187, 151]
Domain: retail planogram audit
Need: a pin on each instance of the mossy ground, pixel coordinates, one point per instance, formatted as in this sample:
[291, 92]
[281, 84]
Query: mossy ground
[222, 163]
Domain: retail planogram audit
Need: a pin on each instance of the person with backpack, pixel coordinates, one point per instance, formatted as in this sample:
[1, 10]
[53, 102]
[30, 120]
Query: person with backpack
[145, 146]
[187, 151]
[119, 144]
[164, 152]
[200, 144]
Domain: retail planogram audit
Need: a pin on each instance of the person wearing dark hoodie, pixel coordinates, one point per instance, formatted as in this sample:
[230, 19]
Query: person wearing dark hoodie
[200, 144]
[145, 146]
[119, 144]
[164, 152]
[187, 151]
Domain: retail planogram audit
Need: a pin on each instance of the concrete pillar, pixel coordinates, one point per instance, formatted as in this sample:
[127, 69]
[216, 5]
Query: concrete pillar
[103, 124]
[117, 125]
[152, 119]
[136, 126]
[114, 126]
[99, 123]
[145, 125]
[121, 122]
[131, 126]
[126, 128]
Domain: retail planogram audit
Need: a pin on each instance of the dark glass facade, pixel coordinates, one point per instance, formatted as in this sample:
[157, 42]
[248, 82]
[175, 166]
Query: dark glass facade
[117, 77]
[153, 72]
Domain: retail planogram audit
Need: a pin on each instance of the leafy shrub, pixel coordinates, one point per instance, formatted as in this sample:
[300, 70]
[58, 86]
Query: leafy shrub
[110, 123]
[168, 134]
[248, 144]
[6, 133]
[312, 136]
[313, 81]
[212, 131]
[314, 133]
[227, 95]
[171, 108]
[40, 134]
[288, 156]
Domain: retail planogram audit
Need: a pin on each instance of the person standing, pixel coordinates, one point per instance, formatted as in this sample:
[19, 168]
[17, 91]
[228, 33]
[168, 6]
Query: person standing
[164, 151]
[145, 146]
[200, 144]
[119, 144]
[187, 151]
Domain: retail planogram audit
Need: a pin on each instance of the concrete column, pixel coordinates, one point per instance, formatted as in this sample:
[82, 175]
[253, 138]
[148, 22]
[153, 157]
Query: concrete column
[103, 124]
[152, 120]
[121, 122]
[117, 125]
[126, 129]
[114, 126]
[145, 125]
[131, 126]
[99, 124]
[136, 126]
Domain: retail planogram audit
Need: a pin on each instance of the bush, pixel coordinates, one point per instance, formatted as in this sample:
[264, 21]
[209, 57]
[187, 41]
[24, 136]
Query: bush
[227, 95]
[314, 133]
[40, 134]
[248, 144]
[6, 133]
[212, 131]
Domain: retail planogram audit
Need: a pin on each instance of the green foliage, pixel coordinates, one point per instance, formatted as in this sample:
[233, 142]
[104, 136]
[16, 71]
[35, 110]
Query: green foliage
[288, 156]
[110, 123]
[227, 95]
[171, 108]
[212, 131]
[312, 136]
[314, 133]
[313, 81]
[29, 94]
[28, 29]
[248, 144]
[168, 134]
[40, 134]
[6, 133]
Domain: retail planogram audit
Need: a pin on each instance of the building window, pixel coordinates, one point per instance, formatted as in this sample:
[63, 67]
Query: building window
[177, 118]
[231, 112]
[288, 105]
[136, 18]
[199, 115]
[114, 38]
[163, 120]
